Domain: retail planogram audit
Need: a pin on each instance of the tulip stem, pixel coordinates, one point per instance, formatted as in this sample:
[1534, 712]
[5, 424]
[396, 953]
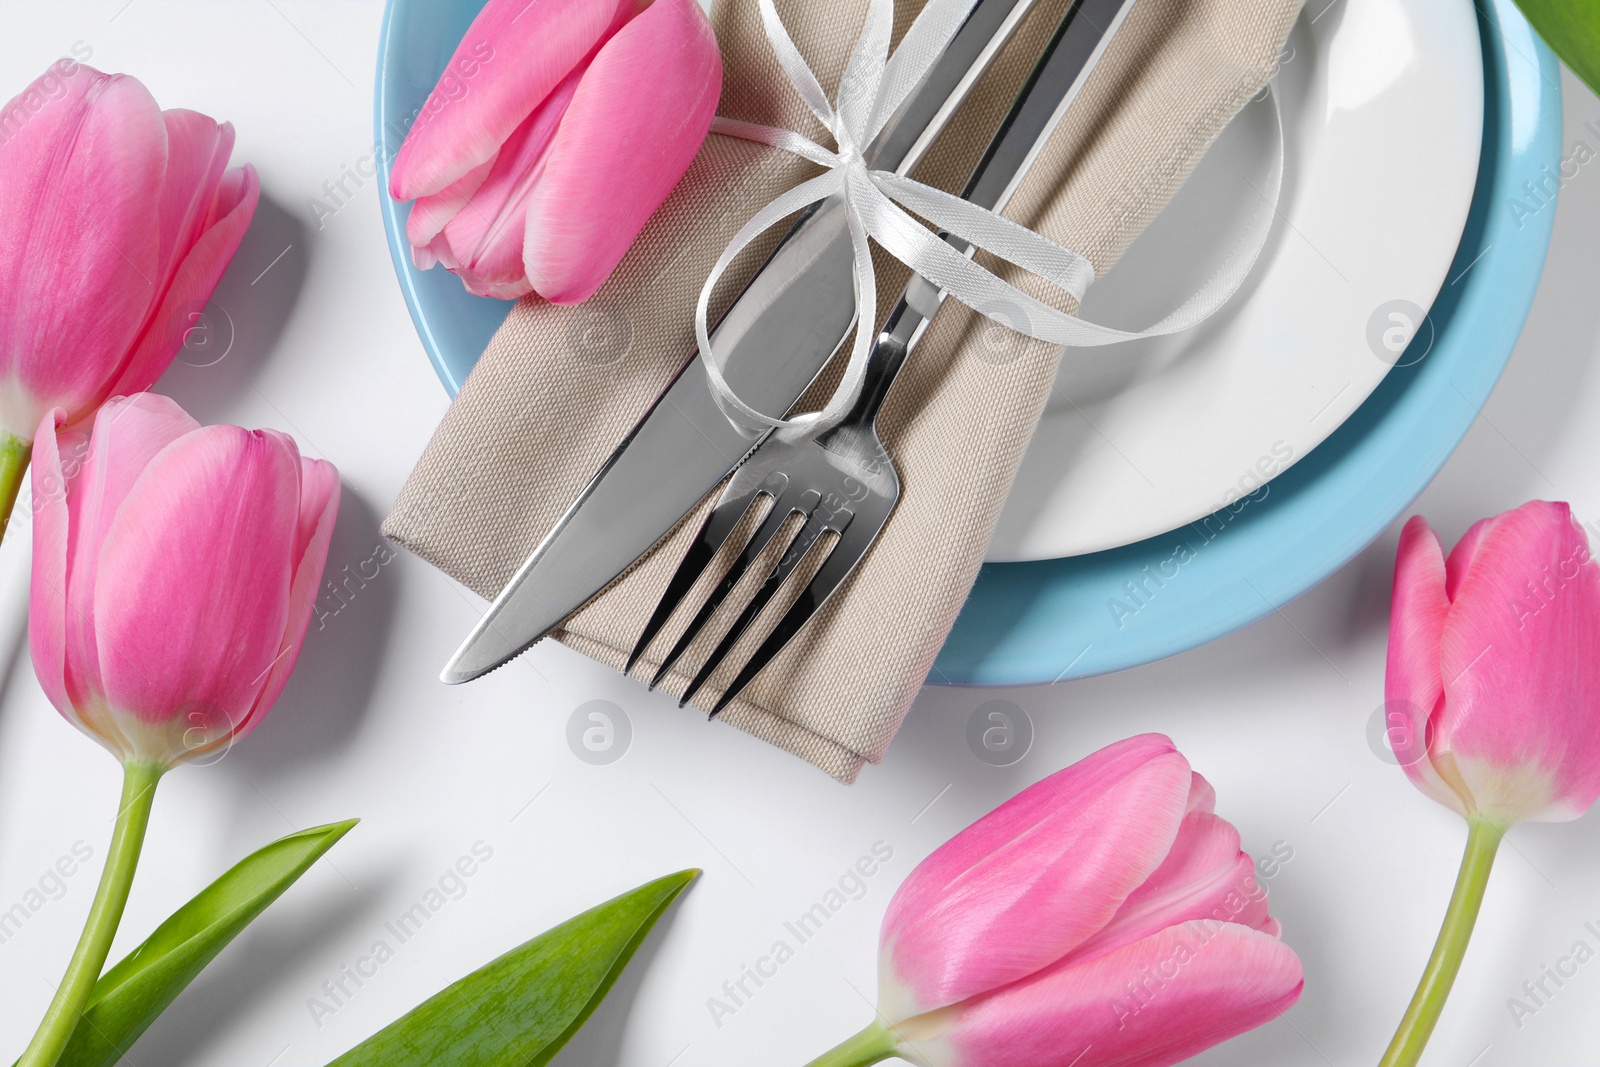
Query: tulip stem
[14, 456]
[1483, 840]
[874, 1043]
[133, 816]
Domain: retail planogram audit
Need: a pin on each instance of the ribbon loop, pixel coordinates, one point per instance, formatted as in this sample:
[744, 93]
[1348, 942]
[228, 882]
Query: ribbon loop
[879, 206]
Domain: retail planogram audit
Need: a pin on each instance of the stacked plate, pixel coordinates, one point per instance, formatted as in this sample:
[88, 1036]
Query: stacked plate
[1180, 488]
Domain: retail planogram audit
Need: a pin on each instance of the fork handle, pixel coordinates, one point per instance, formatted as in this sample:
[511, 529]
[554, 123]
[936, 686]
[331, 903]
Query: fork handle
[900, 332]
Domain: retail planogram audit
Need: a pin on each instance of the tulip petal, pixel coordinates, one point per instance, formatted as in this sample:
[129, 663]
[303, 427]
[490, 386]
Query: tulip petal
[497, 289]
[79, 255]
[240, 187]
[319, 509]
[128, 434]
[1461, 556]
[513, 55]
[1521, 666]
[621, 147]
[1202, 797]
[1413, 687]
[1205, 876]
[435, 253]
[486, 235]
[1154, 1003]
[430, 213]
[193, 282]
[47, 593]
[194, 581]
[197, 155]
[1034, 879]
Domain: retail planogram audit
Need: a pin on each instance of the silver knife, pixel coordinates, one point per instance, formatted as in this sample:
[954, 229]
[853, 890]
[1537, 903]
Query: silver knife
[777, 336]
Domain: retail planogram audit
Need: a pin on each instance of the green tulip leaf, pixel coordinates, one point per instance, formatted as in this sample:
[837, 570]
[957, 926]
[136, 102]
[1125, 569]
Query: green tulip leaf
[520, 1009]
[129, 996]
[1572, 30]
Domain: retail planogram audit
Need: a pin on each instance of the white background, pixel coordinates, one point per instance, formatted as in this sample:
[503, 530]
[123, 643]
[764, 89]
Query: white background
[1275, 716]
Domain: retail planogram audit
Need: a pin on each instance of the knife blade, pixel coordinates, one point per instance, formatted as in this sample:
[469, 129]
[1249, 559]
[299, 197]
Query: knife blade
[777, 335]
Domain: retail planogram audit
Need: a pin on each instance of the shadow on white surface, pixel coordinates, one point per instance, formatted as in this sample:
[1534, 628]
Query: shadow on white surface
[600, 1039]
[229, 342]
[327, 698]
[263, 959]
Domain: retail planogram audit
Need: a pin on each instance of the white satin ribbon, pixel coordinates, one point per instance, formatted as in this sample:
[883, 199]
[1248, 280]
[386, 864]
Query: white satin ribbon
[872, 89]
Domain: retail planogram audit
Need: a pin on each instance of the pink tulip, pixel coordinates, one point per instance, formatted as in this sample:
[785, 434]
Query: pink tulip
[117, 220]
[557, 130]
[1494, 656]
[174, 574]
[174, 569]
[1103, 916]
[1492, 701]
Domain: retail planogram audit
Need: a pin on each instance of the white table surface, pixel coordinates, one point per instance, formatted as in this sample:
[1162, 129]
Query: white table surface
[1275, 715]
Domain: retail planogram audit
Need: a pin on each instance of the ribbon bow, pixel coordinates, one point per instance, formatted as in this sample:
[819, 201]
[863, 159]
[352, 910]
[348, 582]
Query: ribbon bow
[875, 202]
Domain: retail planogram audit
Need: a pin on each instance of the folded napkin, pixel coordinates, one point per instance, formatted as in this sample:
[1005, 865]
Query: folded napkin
[559, 387]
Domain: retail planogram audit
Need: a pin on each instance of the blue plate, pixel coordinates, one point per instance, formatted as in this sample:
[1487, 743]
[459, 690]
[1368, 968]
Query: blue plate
[1049, 620]
[418, 39]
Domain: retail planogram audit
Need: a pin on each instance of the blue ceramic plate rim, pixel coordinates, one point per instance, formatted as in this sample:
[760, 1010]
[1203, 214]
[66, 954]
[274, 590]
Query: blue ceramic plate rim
[415, 43]
[1051, 620]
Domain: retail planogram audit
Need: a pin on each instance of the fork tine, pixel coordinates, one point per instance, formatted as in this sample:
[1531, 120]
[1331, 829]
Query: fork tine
[782, 508]
[842, 559]
[716, 529]
[813, 529]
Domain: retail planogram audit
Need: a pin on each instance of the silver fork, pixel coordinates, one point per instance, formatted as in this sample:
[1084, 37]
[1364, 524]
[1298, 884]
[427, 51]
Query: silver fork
[841, 479]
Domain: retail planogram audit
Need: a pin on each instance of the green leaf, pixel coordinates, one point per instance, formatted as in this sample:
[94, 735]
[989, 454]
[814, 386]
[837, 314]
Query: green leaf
[129, 996]
[1572, 30]
[520, 1009]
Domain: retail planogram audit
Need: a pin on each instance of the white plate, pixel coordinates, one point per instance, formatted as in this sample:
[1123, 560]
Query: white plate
[1383, 115]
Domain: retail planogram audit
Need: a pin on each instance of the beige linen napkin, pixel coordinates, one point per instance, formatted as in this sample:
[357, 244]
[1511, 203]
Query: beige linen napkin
[558, 387]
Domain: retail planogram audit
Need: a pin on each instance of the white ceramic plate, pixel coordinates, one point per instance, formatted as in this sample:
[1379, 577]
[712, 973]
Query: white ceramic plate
[1383, 114]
